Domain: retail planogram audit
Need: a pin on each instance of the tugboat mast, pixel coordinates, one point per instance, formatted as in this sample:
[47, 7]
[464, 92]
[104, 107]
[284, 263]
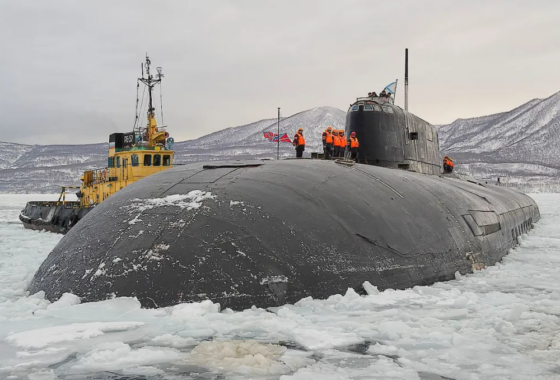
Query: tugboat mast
[150, 82]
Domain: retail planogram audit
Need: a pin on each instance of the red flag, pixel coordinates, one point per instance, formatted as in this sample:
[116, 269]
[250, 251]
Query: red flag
[273, 137]
[285, 138]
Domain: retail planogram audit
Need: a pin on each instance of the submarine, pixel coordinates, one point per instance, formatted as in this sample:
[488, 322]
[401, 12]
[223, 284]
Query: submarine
[267, 233]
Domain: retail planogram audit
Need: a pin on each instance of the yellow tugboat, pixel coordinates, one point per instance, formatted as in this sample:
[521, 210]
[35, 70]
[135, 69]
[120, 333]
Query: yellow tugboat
[132, 156]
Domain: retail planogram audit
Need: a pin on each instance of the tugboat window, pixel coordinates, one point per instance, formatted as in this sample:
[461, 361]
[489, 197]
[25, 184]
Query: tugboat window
[111, 162]
[414, 135]
[354, 108]
[118, 162]
[134, 160]
[368, 107]
[147, 160]
[166, 160]
[157, 159]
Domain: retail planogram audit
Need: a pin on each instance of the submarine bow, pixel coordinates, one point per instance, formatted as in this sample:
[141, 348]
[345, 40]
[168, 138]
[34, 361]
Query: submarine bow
[267, 233]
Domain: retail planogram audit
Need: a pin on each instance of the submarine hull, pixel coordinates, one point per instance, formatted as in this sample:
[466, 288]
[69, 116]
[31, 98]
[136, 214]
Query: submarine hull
[270, 233]
[52, 216]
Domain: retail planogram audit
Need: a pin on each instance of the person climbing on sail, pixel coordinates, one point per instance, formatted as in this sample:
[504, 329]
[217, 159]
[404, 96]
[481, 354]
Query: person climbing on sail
[299, 143]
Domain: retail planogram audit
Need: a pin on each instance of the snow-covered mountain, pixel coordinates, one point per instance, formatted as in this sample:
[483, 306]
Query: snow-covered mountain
[521, 145]
[44, 168]
[247, 141]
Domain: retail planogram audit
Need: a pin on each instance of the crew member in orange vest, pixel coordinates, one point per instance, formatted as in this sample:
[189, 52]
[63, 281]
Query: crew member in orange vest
[342, 143]
[328, 143]
[447, 164]
[354, 145]
[336, 139]
[299, 143]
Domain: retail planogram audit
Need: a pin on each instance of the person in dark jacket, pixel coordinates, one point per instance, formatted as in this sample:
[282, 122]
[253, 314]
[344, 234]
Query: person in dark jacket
[328, 143]
[299, 143]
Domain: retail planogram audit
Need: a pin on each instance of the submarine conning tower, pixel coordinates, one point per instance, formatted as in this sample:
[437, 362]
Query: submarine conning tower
[392, 137]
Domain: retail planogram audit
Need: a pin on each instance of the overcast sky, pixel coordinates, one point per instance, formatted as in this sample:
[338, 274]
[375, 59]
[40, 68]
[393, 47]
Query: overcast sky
[68, 69]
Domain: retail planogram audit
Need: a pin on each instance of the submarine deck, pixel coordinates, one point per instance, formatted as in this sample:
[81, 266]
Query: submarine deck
[267, 233]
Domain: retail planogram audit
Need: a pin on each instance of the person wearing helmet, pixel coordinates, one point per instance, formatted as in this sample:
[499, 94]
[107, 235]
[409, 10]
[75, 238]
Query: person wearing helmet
[448, 164]
[328, 143]
[343, 143]
[354, 145]
[336, 144]
[299, 143]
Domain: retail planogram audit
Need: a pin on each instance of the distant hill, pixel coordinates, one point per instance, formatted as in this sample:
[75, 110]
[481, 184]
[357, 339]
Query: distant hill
[520, 146]
[43, 168]
[247, 141]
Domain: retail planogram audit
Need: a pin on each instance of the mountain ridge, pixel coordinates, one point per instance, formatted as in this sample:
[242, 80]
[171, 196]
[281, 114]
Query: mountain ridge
[519, 145]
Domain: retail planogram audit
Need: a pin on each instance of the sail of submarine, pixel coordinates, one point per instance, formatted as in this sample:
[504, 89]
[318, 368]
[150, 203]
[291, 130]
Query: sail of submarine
[392, 137]
[268, 233]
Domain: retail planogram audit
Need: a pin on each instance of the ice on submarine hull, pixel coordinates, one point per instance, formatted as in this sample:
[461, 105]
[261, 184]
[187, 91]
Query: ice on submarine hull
[269, 233]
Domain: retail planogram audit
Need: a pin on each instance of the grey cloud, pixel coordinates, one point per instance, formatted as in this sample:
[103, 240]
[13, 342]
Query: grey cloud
[68, 69]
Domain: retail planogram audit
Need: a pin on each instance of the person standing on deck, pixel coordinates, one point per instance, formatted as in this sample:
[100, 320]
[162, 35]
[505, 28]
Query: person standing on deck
[354, 145]
[328, 143]
[299, 143]
[336, 144]
[343, 143]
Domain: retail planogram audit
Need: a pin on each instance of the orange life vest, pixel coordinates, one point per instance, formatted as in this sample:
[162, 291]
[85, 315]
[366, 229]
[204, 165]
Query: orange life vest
[448, 161]
[329, 137]
[300, 139]
[354, 142]
[343, 142]
[336, 139]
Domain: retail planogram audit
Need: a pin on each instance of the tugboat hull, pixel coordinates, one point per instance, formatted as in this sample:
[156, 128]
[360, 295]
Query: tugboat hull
[52, 216]
[275, 232]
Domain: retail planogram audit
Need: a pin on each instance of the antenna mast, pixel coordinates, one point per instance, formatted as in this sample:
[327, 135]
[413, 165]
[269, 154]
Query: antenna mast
[150, 82]
[406, 79]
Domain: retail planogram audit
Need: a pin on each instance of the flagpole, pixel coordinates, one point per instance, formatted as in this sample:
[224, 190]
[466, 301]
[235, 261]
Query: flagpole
[395, 93]
[278, 145]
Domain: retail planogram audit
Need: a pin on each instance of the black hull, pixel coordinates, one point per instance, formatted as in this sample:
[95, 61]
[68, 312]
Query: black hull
[303, 228]
[51, 216]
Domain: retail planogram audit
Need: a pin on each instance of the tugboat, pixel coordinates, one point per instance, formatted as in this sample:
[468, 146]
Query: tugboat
[132, 156]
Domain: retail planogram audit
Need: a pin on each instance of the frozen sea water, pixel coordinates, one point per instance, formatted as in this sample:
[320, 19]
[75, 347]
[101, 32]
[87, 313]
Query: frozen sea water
[500, 323]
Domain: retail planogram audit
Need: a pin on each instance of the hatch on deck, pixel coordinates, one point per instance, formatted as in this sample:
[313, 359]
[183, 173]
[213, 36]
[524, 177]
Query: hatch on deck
[232, 165]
